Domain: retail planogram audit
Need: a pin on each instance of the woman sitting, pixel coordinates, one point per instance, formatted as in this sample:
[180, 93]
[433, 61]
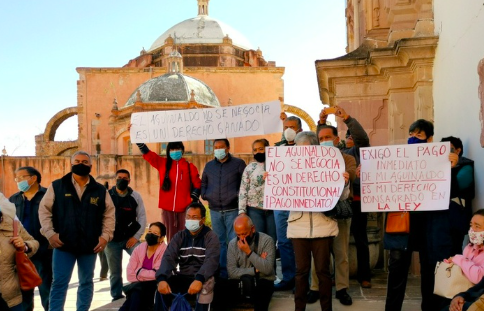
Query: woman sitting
[142, 266]
[472, 264]
[10, 294]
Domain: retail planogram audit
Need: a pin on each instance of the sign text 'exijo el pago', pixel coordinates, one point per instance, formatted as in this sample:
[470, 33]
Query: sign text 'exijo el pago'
[303, 178]
[206, 123]
[405, 177]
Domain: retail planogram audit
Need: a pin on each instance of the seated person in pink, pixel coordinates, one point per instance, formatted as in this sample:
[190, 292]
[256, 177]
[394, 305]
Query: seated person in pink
[472, 265]
[472, 259]
[142, 266]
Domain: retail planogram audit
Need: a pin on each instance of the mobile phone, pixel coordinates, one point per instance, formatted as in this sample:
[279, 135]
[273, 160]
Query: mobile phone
[330, 110]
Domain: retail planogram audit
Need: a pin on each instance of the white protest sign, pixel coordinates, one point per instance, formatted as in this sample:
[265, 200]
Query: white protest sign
[405, 177]
[303, 178]
[207, 123]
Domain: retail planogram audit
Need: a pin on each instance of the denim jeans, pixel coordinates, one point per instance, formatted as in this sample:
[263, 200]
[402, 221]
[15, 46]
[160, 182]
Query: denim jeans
[263, 220]
[114, 256]
[223, 225]
[288, 261]
[62, 266]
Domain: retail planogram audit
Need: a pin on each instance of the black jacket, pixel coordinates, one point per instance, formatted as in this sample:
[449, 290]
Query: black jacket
[78, 222]
[221, 183]
[198, 256]
[34, 227]
[125, 214]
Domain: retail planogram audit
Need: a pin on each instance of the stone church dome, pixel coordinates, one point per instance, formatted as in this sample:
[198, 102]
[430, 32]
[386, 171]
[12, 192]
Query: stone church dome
[202, 30]
[173, 87]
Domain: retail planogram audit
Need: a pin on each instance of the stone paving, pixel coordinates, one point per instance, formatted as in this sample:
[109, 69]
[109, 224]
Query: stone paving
[363, 299]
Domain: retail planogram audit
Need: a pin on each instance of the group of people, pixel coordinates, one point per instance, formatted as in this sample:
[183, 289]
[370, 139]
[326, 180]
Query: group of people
[76, 218]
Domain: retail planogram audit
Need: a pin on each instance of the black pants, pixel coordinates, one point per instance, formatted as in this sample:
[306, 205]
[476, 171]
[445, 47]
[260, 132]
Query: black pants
[398, 266]
[260, 295]
[140, 297]
[358, 228]
[179, 284]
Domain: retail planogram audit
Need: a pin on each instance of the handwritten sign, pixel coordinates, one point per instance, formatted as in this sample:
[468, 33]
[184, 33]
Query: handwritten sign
[405, 177]
[207, 123]
[303, 178]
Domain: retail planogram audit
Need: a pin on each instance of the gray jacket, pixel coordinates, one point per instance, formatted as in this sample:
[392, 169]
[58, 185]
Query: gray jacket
[221, 183]
[238, 263]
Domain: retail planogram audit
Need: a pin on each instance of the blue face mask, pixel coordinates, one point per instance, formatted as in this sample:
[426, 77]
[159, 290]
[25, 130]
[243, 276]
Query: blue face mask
[415, 140]
[192, 224]
[327, 143]
[176, 155]
[219, 154]
[23, 185]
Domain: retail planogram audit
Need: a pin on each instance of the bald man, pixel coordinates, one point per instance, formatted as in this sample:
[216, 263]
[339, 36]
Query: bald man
[250, 262]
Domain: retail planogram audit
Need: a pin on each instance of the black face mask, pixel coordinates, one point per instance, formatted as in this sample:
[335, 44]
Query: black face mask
[260, 157]
[81, 169]
[151, 239]
[122, 184]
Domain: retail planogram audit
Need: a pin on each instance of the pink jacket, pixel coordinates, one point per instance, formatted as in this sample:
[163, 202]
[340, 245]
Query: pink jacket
[471, 262]
[136, 262]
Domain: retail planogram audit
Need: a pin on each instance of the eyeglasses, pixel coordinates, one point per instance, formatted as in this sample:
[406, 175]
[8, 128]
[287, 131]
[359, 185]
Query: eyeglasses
[23, 177]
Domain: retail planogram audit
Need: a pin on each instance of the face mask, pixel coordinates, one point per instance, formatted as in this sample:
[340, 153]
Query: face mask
[81, 169]
[260, 157]
[290, 134]
[476, 238]
[415, 140]
[192, 224]
[122, 184]
[151, 239]
[327, 143]
[176, 155]
[23, 185]
[219, 153]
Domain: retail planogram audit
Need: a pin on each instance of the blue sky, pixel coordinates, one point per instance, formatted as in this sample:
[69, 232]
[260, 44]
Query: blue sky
[42, 43]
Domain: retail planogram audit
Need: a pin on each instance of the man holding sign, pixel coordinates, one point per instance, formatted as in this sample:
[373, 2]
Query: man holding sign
[409, 178]
[328, 136]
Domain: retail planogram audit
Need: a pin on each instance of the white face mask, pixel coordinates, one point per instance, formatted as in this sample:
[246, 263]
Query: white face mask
[476, 238]
[290, 134]
[192, 224]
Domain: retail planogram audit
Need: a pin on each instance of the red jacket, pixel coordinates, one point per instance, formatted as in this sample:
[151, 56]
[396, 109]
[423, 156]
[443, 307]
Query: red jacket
[178, 197]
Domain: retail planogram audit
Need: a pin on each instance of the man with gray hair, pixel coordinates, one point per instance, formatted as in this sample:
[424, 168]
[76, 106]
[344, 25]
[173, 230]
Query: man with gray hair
[77, 217]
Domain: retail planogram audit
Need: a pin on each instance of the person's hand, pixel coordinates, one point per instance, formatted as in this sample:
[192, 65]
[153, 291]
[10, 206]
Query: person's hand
[195, 287]
[129, 126]
[55, 242]
[244, 246]
[131, 242]
[101, 245]
[358, 171]
[18, 243]
[453, 158]
[449, 260]
[283, 116]
[164, 288]
[340, 112]
[346, 176]
[456, 304]
[323, 117]
[263, 255]
[265, 175]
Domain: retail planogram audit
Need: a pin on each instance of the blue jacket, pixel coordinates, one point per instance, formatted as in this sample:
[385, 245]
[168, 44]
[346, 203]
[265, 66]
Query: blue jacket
[221, 183]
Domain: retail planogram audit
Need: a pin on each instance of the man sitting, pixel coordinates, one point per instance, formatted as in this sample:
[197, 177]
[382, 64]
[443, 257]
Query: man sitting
[250, 263]
[196, 250]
